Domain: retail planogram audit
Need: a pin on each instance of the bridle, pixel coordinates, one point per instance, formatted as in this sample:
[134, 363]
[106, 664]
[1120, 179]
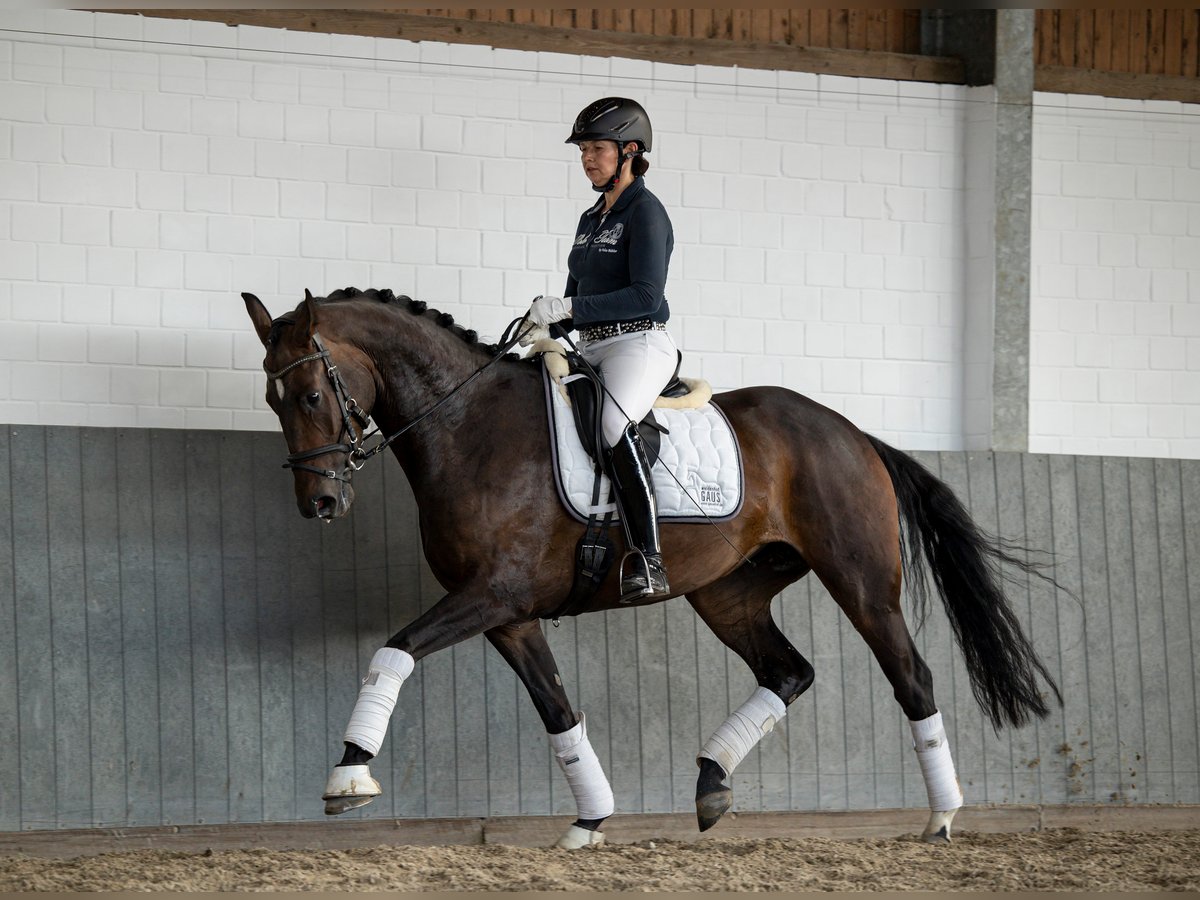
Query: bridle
[351, 440]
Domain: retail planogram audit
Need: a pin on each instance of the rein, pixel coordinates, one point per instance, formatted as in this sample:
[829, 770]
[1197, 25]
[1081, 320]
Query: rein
[506, 344]
[356, 454]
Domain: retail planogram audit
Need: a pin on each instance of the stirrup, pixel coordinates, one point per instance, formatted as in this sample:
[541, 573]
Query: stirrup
[648, 584]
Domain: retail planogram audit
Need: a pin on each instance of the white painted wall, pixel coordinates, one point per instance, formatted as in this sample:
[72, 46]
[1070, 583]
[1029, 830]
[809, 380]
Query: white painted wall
[1116, 277]
[830, 232]
[149, 172]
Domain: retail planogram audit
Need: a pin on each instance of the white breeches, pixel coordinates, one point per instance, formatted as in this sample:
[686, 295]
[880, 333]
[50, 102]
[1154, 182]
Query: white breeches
[635, 369]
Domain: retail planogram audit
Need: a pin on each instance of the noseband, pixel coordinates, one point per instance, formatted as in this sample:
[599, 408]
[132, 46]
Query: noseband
[347, 405]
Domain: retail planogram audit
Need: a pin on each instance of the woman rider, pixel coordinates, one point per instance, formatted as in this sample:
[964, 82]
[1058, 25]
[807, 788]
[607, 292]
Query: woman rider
[614, 297]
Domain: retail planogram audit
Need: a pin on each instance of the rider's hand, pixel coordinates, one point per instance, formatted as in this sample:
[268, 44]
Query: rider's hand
[549, 309]
[532, 334]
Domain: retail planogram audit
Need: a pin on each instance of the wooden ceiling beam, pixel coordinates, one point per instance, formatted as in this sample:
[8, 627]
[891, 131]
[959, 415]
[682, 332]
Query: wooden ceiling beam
[584, 42]
[1068, 80]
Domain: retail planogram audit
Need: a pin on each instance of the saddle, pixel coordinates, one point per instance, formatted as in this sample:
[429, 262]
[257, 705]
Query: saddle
[693, 454]
[585, 391]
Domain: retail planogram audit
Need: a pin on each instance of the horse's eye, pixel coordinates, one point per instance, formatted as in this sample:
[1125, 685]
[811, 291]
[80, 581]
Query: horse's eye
[313, 399]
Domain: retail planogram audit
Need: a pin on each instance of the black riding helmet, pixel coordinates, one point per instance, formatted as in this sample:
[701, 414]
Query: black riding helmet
[614, 119]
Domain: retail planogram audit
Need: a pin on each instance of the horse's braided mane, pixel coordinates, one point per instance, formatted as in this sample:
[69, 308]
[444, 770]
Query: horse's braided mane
[420, 308]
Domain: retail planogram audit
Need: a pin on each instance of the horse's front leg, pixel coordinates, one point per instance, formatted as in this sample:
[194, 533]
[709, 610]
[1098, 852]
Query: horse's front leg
[452, 619]
[524, 647]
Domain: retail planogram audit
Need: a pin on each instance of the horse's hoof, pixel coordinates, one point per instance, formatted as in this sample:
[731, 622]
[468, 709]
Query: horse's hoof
[938, 829]
[712, 806]
[574, 838]
[335, 806]
[349, 787]
[941, 836]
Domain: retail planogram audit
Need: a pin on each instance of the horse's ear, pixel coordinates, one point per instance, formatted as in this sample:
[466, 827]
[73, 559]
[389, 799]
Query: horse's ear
[306, 321]
[259, 316]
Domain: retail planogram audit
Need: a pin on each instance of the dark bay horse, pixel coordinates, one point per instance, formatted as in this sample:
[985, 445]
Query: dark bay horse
[819, 496]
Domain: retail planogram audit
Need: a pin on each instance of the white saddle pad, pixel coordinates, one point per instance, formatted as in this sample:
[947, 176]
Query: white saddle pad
[697, 478]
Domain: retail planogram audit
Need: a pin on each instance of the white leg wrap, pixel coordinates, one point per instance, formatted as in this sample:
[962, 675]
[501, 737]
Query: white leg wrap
[578, 761]
[937, 766]
[748, 725]
[377, 698]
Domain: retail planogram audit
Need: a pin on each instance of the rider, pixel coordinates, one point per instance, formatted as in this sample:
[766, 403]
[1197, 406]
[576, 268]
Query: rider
[614, 297]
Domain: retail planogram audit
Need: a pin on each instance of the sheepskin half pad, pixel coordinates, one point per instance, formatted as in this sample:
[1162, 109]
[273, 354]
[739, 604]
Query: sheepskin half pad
[698, 476]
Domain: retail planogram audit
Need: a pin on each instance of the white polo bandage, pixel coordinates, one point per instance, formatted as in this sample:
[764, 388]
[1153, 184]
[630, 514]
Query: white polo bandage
[578, 761]
[937, 766]
[748, 725]
[377, 698]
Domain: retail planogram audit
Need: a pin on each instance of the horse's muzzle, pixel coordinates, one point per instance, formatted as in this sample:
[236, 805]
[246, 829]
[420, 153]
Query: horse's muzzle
[328, 504]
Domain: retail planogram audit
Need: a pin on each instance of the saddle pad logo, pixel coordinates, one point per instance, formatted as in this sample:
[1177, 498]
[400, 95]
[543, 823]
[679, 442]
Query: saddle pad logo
[707, 494]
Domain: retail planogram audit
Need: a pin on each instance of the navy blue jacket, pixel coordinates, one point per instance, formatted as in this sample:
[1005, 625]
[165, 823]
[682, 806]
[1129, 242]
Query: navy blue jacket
[618, 270]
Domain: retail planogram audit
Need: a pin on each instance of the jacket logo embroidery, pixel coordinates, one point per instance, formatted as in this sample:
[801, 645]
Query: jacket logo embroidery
[582, 239]
[610, 236]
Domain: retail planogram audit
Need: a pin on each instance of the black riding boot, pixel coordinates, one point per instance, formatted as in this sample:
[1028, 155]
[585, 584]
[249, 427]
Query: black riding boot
[630, 471]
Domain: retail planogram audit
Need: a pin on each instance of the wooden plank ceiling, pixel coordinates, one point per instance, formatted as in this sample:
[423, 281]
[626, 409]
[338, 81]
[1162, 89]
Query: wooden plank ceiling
[862, 43]
[1138, 53]
[1147, 54]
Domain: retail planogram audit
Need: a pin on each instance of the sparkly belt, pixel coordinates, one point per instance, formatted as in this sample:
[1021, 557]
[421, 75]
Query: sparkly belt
[600, 332]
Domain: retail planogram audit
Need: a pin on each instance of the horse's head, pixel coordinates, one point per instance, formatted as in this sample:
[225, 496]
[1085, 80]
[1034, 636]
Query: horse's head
[314, 385]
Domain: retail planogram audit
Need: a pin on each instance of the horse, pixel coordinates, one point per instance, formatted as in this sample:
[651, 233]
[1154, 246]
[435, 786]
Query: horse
[468, 425]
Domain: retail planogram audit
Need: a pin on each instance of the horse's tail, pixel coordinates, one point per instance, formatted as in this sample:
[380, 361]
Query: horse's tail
[966, 564]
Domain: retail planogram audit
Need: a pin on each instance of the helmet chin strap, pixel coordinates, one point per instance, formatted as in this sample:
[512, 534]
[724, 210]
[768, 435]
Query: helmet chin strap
[625, 157]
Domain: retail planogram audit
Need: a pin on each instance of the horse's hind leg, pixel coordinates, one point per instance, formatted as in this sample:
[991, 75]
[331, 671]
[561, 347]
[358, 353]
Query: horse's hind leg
[524, 647]
[870, 598]
[738, 610]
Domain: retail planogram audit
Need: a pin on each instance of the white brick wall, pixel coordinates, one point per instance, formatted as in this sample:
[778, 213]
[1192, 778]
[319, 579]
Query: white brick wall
[145, 184]
[828, 230]
[1116, 277]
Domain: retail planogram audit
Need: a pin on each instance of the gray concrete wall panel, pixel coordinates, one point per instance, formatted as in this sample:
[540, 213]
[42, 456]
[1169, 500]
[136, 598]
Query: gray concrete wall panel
[179, 646]
[1190, 480]
[69, 629]
[35, 686]
[175, 739]
[1073, 724]
[10, 747]
[1180, 690]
